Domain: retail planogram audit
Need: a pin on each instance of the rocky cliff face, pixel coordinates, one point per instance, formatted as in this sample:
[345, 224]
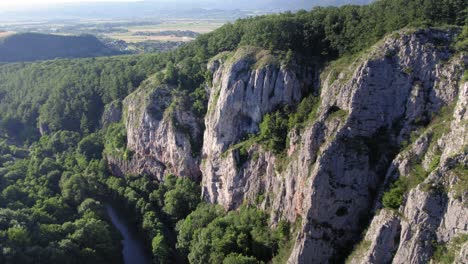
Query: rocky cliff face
[403, 82]
[246, 85]
[396, 111]
[434, 212]
[112, 114]
[159, 134]
[336, 167]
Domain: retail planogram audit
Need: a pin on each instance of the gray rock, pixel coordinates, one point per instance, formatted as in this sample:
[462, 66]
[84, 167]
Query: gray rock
[159, 133]
[462, 258]
[335, 165]
[381, 238]
[243, 92]
[335, 169]
[112, 114]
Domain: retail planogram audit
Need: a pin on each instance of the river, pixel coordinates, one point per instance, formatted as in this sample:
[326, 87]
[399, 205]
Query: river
[133, 250]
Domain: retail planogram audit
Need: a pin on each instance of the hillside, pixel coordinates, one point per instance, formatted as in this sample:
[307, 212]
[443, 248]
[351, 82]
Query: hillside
[326, 136]
[33, 46]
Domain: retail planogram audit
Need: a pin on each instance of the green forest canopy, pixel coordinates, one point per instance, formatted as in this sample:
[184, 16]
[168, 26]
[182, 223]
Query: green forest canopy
[36, 46]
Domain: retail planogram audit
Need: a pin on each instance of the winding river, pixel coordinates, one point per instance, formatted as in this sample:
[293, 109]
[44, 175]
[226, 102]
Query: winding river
[133, 249]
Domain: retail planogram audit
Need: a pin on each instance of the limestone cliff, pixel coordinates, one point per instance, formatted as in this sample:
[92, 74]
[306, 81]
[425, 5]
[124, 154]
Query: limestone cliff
[112, 114]
[246, 85]
[395, 111]
[434, 213]
[338, 165]
[159, 134]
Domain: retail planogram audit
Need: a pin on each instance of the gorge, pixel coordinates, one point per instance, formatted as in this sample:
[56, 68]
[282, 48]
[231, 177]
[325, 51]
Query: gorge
[336, 135]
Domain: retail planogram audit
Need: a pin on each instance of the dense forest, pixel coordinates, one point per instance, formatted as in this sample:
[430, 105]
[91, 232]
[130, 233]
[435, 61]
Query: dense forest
[35, 46]
[54, 181]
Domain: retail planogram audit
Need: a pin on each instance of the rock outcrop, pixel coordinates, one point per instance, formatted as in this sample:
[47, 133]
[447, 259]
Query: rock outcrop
[379, 243]
[416, 83]
[463, 256]
[396, 112]
[435, 211]
[159, 133]
[112, 114]
[247, 84]
[335, 168]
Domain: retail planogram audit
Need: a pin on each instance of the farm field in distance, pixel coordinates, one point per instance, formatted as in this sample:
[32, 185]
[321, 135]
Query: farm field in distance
[154, 30]
[127, 35]
[133, 33]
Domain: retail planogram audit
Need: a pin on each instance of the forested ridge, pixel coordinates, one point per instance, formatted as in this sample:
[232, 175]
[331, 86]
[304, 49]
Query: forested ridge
[36, 46]
[53, 185]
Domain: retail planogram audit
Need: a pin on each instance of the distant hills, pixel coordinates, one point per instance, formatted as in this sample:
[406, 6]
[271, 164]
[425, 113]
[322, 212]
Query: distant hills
[268, 5]
[227, 9]
[35, 46]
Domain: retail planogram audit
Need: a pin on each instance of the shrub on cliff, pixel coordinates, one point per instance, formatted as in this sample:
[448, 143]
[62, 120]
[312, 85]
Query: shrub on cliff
[394, 197]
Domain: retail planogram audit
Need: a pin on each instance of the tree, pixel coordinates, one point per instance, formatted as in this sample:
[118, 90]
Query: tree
[394, 197]
[63, 140]
[84, 124]
[93, 234]
[18, 236]
[90, 206]
[183, 199]
[151, 224]
[274, 131]
[236, 258]
[74, 187]
[161, 252]
[194, 222]
[171, 74]
[91, 147]
[245, 231]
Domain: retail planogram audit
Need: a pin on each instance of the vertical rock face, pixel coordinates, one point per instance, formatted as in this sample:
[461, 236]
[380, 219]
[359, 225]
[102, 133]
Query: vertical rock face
[112, 114]
[379, 243]
[463, 256]
[335, 167]
[435, 211]
[159, 133]
[397, 84]
[246, 86]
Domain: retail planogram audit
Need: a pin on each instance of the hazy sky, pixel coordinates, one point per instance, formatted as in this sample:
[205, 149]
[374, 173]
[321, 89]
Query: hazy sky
[5, 4]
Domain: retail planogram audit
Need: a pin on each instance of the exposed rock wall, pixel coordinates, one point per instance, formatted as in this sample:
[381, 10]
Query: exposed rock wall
[395, 92]
[159, 135]
[379, 243]
[112, 114]
[246, 86]
[435, 211]
[337, 165]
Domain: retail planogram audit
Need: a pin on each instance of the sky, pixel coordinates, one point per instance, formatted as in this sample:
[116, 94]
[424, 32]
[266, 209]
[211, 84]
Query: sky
[13, 4]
